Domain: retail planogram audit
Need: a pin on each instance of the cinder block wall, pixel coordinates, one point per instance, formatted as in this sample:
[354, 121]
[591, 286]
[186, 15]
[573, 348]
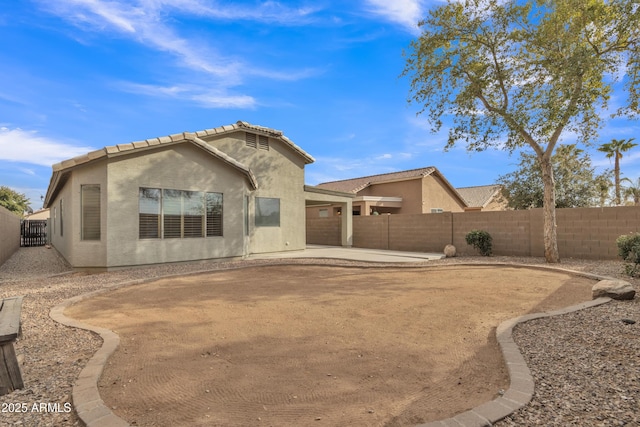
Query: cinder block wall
[592, 232]
[511, 231]
[9, 234]
[372, 231]
[324, 231]
[420, 232]
[588, 233]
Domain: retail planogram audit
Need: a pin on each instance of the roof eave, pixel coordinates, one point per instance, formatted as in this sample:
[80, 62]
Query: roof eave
[52, 189]
[269, 132]
[225, 158]
[451, 187]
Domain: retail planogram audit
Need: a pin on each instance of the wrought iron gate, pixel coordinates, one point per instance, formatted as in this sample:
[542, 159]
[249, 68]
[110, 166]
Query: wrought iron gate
[33, 232]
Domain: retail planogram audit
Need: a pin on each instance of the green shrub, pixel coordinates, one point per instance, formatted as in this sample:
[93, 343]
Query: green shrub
[629, 250]
[481, 240]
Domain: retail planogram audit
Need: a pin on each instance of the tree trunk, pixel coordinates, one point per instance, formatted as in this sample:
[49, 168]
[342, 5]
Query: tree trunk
[549, 209]
[616, 170]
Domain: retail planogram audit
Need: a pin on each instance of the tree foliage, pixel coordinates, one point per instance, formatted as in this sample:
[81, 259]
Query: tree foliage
[576, 183]
[16, 202]
[511, 74]
[633, 190]
[629, 250]
[603, 184]
[614, 149]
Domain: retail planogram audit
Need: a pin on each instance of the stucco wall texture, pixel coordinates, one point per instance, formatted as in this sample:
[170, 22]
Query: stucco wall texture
[279, 173]
[9, 234]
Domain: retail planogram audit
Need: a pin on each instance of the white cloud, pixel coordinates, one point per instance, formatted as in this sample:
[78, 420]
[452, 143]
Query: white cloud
[267, 12]
[208, 98]
[17, 145]
[144, 23]
[26, 171]
[406, 13]
[148, 23]
[338, 168]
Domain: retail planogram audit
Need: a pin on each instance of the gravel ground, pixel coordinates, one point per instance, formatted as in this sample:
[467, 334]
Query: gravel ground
[586, 365]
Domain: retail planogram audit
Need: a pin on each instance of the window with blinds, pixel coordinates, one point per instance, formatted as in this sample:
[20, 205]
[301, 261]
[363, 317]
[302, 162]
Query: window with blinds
[192, 214]
[149, 213]
[214, 214]
[174, 214]
[90, 212]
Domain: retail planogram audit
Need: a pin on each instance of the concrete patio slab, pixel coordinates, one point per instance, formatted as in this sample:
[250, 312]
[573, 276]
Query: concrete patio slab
[353, 254]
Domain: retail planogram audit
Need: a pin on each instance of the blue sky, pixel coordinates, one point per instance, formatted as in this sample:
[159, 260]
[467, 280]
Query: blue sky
[78, 75]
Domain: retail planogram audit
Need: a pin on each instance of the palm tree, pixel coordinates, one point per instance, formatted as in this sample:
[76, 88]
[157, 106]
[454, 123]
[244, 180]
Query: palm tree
[633, 190]
[614, 149]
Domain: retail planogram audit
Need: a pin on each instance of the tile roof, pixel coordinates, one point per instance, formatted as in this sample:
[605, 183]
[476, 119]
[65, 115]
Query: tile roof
[357, 184]
[60, 169]
[180, 137]
[479, 195]
[272, 133]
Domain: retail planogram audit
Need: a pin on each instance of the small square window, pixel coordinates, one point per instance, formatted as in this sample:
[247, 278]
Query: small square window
[267, 212]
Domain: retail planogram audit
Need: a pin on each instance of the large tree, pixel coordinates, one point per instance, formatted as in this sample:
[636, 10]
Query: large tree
[16, 202]
[614, 149]
[515, 73]
[576, 184]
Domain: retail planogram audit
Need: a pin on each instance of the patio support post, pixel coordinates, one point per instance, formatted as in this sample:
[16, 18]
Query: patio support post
[347, 223]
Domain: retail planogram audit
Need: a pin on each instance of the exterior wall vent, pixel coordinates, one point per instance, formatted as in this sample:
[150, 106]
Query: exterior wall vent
[250, 139]
[263, 142]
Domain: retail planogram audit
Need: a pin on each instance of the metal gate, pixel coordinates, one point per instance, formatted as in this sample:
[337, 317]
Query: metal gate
[33, 232]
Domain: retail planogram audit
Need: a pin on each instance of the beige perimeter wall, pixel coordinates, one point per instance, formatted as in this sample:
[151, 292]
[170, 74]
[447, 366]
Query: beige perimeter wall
[9, 234]
[588, 233]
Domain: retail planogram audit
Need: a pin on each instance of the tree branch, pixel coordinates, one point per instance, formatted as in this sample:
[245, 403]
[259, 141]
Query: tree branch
[568, 113]
[511, 122]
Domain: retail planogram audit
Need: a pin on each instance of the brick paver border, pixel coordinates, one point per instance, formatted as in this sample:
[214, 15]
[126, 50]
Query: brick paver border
[521, 386]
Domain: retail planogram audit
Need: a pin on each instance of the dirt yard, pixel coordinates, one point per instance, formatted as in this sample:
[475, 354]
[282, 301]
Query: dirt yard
[315, 345]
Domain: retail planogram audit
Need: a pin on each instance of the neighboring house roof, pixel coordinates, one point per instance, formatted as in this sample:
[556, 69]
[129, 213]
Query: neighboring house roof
[62, 169]
[355, 185]
[480, 195]
[358, 184]
[39, 214]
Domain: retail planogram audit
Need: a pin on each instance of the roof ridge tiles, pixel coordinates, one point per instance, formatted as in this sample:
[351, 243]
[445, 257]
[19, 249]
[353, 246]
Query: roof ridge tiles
[116, 149]
[432, 168]
[478, 186]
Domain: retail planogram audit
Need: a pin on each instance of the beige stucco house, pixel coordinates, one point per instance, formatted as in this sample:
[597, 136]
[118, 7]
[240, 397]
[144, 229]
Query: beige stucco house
[217, 193]
[423, 190]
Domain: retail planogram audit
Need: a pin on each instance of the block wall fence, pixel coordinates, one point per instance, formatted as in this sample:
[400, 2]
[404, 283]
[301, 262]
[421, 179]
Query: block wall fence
[588, 233]
[9, 234]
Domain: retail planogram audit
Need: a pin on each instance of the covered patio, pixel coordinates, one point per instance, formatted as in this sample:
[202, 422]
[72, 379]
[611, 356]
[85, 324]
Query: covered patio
[317, 196]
